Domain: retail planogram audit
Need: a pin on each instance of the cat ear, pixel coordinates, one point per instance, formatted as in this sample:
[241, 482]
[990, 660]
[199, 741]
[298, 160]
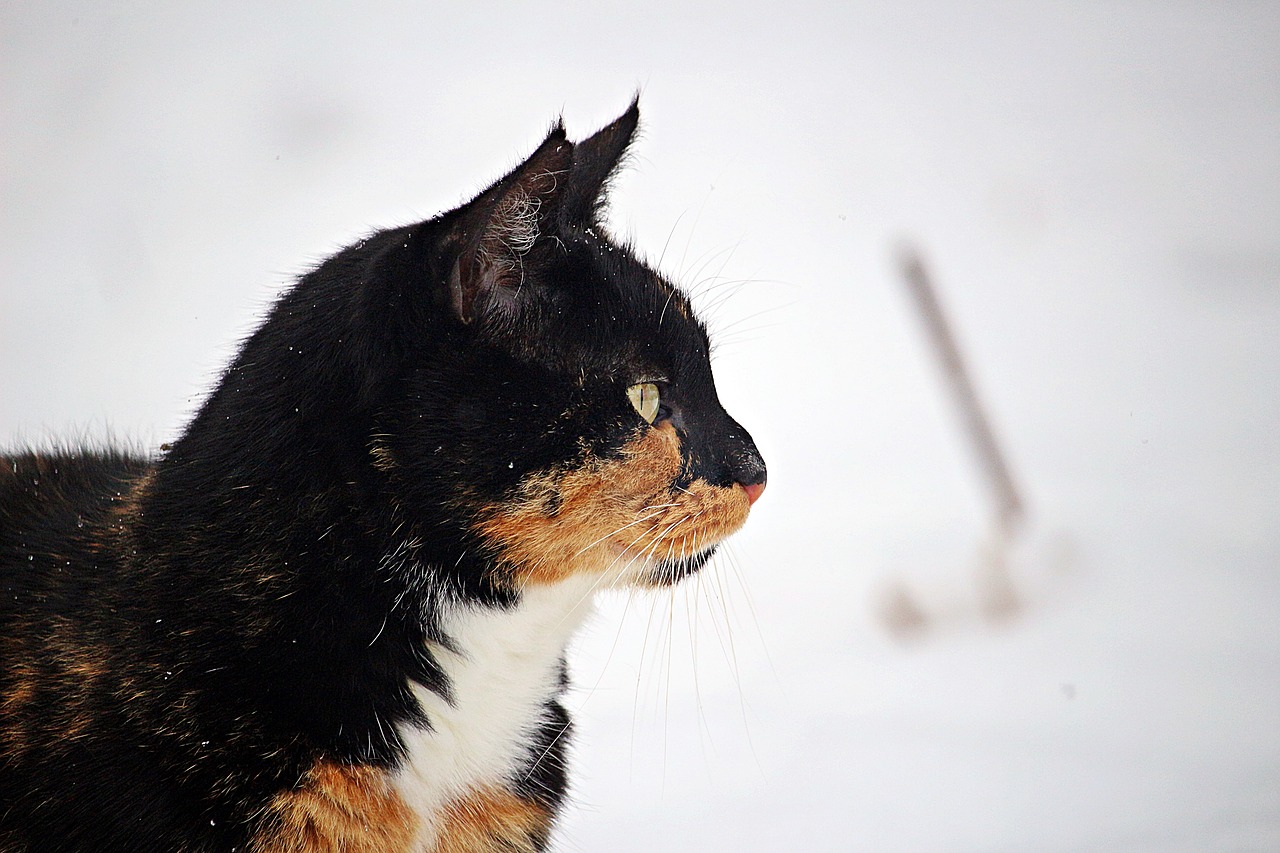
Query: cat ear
[500, 226]
[595, 161]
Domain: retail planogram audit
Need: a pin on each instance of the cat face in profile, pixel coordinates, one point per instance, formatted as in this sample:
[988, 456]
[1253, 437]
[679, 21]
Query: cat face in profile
[573, 399]
[333, 615]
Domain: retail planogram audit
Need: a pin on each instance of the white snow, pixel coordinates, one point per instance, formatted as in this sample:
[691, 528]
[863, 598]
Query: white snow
[1096, 186]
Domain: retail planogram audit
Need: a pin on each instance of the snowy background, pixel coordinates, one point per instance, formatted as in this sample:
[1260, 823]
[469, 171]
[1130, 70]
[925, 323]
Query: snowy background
[1096, 187]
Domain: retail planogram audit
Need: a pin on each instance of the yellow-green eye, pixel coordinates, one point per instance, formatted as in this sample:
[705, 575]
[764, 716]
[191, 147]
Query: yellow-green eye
[644, 396]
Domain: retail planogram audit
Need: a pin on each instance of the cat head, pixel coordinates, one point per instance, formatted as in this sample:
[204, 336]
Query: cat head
[556, 406]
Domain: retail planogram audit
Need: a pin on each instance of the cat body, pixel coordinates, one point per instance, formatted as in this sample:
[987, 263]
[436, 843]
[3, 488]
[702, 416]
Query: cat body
[333, 615]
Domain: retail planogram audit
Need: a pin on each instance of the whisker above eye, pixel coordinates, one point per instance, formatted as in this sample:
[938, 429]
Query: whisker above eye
[698, 289]
[670, 235]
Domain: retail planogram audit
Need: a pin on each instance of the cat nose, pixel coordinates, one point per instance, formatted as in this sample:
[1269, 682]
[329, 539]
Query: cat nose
[750, 473]
[736, 460]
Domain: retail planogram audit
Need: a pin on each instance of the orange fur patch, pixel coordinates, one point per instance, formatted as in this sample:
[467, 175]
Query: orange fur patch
[492, 821]
[20, 690]
[616, 513]
[129, 502]
[380, 453]
[115, 531]
[339, 808]
[59, 665]
[79, 666]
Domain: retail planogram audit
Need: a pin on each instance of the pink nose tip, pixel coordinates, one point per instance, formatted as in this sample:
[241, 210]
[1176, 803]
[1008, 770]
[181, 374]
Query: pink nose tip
[754, 491]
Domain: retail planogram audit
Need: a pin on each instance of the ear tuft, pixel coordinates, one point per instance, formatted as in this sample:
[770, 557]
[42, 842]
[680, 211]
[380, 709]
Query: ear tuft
[596, 160]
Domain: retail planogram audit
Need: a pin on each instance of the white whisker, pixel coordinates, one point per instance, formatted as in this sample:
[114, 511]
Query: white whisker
[613, 533]
[670, 234]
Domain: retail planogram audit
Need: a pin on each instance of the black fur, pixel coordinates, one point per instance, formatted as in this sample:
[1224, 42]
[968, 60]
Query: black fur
[182, 638]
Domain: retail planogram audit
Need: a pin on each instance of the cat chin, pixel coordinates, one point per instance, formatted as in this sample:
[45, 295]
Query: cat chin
[670, 572]
[629, 569]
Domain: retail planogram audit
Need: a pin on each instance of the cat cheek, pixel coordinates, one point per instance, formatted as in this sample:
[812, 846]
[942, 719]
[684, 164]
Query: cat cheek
[611, 516]
[585, 520]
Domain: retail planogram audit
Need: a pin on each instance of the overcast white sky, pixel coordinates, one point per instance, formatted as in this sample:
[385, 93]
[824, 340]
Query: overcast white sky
[1097, 188]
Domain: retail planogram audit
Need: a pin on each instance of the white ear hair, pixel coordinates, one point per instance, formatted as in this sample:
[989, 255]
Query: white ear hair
[515, 223]
[500, 227]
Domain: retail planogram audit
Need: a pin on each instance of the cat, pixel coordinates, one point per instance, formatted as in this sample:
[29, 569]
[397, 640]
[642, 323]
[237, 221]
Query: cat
[332, 615]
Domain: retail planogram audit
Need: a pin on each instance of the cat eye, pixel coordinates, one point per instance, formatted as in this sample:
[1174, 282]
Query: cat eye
[644, 397]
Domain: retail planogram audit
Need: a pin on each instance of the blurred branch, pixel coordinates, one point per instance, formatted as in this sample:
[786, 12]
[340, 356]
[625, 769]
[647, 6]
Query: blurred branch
[1008, 499]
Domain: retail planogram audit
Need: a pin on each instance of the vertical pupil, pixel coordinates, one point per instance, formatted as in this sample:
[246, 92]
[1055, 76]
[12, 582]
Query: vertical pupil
[644, 397]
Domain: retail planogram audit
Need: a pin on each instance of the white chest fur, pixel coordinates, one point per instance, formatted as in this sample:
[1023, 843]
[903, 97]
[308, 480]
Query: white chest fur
[504, 666]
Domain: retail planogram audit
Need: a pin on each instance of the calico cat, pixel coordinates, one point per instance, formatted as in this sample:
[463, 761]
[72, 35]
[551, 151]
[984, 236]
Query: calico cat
[332, 615]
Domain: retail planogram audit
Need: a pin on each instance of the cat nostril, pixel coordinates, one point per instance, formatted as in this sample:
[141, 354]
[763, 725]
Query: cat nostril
[753, 492]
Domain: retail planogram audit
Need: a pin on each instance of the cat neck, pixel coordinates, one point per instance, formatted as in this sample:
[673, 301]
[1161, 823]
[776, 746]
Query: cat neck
[496, 721]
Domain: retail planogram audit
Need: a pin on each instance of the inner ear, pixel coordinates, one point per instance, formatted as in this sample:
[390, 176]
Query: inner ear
[500, 227]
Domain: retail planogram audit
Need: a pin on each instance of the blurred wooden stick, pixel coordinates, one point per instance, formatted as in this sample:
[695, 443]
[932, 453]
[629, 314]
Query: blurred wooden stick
[1008, 499]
